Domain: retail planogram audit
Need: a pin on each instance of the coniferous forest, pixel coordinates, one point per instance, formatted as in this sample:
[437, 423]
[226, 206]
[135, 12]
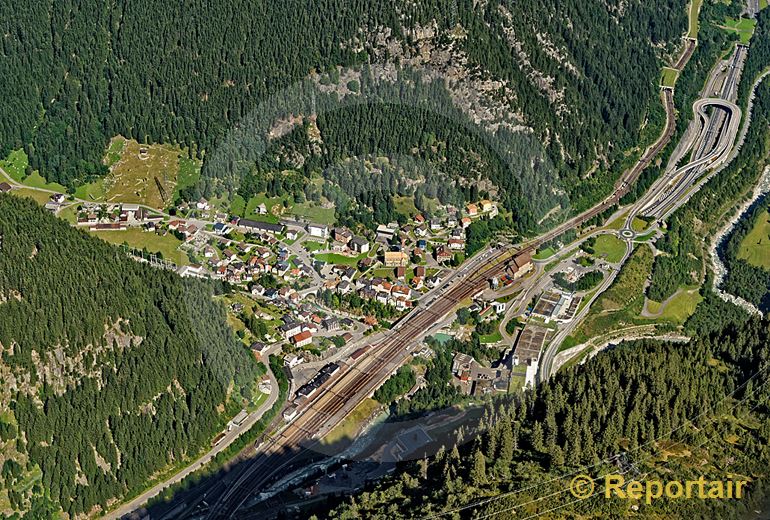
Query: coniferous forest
[113, 370]
[645, 410]
[578, 90]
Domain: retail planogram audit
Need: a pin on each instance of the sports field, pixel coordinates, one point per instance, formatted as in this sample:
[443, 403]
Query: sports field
[167, 245]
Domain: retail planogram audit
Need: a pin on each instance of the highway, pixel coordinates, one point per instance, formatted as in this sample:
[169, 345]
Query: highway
[292, 444]
[711, 147]
[724, 127]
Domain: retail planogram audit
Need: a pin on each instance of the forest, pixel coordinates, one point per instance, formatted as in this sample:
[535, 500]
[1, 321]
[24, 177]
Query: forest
[744, 279]
[645, 409]
[216, 77]
[113, 370]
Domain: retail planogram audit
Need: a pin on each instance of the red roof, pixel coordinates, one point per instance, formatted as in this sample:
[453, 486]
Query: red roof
[302, 336]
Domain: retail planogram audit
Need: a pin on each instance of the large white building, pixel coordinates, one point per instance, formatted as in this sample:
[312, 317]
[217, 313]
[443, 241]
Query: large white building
[318, 230]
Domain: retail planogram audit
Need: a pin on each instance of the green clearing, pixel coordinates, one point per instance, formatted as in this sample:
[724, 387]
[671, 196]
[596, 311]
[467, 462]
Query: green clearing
[695, 6]
[15, 164]
[334, 258]
[405, 206]
[544, 254]
[69, 214]
[491, 338]
[679, 308]
[743, 27]
[314, 213]
[610, 247]
[35, 180]
[639, 225]
[622, 303]
[755, 246]
[431, 205]
[669, 77]
[276, 206]
[144, 174]
[257, 400]
[383, 272]
[347, 429]
[517, 383]
[167, 245]
[311, 245]
[237, 205]
[617, 224]
[189, 173]
[114, 150]
[441, 337]
[91, 191]
[41, 197]
[763, 4]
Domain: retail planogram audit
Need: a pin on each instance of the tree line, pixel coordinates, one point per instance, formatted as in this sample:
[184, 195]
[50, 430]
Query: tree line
[663, 409]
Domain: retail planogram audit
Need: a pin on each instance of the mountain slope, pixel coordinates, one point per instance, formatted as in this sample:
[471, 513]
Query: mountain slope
[112, 370]
[540, 98]
[646, 410]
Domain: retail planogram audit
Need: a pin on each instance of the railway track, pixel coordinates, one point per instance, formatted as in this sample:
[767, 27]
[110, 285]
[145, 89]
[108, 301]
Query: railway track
[374, 369]
[278, 455]
[365, 375]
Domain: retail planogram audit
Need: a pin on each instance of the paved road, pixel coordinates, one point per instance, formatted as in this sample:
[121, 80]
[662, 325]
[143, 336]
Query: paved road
[333, 404]
[546, 361]
[228, 439]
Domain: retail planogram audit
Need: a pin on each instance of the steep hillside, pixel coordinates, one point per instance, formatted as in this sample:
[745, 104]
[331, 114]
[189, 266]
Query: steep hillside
[542, 99]
[111, 370]
[647, 411]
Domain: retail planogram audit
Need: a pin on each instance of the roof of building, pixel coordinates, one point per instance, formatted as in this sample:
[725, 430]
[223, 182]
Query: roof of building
[264, 226]
[302, 336]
